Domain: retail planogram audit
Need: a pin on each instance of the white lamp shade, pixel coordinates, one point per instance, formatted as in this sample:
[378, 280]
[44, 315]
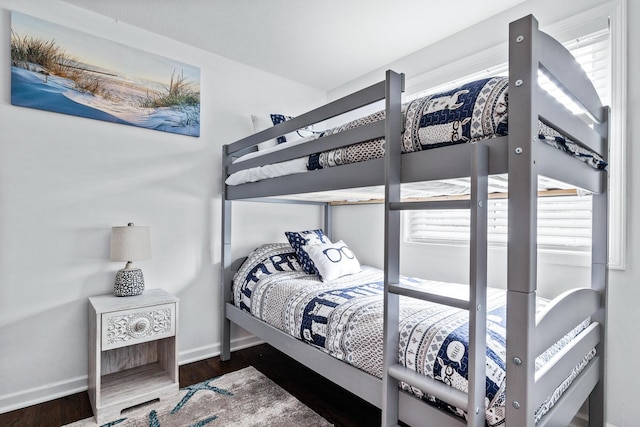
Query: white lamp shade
[130, 243]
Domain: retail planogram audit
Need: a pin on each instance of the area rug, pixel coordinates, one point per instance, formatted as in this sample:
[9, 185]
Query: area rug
[243, 398]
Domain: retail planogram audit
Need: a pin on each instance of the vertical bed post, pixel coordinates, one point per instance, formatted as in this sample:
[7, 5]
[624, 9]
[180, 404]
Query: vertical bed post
[599, 279]
[328, 220]
[522, 223]
[478, 286]
[392, 166]
[225, 265]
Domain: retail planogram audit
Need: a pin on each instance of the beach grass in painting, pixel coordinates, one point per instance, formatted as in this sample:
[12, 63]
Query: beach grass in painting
[58, 69]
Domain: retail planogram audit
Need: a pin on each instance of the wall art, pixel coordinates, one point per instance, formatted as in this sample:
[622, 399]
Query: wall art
[59, 69]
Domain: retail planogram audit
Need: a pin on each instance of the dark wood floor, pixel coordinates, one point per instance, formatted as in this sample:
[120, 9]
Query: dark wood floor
[332, 402]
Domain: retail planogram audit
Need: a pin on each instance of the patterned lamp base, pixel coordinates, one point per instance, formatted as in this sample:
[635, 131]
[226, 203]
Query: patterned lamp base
[129, 282]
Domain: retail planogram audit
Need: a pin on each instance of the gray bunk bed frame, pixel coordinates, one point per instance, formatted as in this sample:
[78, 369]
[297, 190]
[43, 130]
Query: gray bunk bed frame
[523, 157]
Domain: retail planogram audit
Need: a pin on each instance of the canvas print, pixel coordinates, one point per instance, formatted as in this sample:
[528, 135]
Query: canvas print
[58, 69]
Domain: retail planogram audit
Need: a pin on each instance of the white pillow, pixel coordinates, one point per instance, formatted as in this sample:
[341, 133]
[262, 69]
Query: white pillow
[261, 123]
[333, 260]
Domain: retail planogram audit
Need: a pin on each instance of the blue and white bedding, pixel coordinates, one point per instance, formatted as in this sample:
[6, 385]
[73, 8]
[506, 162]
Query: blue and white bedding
[343, 318]
[472, 112]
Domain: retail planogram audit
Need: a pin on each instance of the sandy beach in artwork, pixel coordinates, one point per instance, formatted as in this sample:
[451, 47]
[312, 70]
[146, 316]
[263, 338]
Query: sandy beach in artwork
[36, 89]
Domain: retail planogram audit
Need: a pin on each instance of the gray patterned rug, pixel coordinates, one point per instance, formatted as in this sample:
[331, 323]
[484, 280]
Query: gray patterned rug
[243, 398]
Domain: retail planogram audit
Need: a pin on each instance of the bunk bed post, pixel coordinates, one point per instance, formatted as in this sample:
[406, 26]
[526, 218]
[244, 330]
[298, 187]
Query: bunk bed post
[328, 220]
[522, 222]
[478, 286]
[599, 279]
[392, 168]
[225, 265]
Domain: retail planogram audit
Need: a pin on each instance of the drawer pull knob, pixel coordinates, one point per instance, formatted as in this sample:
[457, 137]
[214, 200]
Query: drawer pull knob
[139, 327]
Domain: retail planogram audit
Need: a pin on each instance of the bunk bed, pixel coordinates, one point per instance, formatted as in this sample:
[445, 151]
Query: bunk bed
[532, 326]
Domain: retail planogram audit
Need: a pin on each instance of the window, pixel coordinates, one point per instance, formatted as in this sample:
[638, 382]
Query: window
[564, 220]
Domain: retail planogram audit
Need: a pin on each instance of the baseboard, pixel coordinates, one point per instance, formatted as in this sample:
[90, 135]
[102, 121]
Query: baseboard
[47, 392]
[208, 351]
[44, 393]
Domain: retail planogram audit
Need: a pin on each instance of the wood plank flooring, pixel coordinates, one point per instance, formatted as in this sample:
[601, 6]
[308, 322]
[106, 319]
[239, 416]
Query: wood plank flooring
[332, 402]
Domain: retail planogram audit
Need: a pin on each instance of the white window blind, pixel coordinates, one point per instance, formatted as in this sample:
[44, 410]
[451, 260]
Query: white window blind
[564, 222]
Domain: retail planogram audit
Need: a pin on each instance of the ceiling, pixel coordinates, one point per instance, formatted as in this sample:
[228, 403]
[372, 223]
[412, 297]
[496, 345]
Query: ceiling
[321, 43]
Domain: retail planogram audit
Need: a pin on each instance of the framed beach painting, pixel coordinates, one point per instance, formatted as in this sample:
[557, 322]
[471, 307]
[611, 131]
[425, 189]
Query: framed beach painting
[59, 69]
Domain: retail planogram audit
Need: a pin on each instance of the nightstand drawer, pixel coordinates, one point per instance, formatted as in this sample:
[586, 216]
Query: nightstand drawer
[128, 327]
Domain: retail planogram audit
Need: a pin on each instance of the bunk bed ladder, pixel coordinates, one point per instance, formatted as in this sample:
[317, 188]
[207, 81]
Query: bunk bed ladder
[474, 401]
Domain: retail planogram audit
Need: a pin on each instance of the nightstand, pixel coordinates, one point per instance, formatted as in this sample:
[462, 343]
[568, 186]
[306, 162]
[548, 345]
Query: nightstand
[133, 356]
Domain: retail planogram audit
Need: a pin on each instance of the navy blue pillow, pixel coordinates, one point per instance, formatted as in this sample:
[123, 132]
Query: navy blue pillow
[277, 119]
[299, 239]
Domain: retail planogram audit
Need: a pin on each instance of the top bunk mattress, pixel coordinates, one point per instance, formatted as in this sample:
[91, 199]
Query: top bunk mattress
[473, 112]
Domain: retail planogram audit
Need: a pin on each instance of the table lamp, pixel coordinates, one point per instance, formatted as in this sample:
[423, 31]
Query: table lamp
[130, 243]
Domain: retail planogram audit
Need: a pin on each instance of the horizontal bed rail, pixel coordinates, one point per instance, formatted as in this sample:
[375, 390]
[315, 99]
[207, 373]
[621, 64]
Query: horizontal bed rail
[562, 315]
[446, 393]
[563, 363]
[430, 205]
[568, 124]
[417, 293]
[361, 174]
[369, 386]
[573, 398]
[567, 169]
[352, 136]
[366, 96]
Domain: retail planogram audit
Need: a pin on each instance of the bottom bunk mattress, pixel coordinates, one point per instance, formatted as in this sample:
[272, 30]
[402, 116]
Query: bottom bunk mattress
[343, 318]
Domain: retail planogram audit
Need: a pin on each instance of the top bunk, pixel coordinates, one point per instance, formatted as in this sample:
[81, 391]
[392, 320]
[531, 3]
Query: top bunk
[511, 116]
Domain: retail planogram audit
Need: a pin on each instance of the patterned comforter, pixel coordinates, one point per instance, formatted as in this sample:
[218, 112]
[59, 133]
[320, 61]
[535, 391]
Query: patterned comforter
[472, 112]
[344, 318]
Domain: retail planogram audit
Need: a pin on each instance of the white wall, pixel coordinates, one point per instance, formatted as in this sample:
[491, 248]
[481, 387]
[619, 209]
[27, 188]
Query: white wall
[65, 181]
[451, 263]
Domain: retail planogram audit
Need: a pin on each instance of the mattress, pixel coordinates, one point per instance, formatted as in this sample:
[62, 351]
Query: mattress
[343, 318]
[472, 112]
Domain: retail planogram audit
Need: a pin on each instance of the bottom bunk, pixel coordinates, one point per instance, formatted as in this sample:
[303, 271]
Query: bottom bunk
[335, 328]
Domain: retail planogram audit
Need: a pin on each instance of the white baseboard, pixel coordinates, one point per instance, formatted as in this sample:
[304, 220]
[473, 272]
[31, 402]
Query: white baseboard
[208, 351]
[44, 393]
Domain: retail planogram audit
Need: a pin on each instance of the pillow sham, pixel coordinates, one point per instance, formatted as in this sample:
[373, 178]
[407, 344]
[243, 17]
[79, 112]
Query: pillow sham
[333, 260]
[300, 241]
[261, 123]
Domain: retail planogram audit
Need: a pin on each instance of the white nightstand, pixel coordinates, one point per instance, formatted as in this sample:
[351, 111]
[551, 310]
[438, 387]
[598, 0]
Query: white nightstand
[133, 355]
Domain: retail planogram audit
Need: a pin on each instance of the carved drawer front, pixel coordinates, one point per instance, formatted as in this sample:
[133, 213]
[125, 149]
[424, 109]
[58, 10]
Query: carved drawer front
[128, 327]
